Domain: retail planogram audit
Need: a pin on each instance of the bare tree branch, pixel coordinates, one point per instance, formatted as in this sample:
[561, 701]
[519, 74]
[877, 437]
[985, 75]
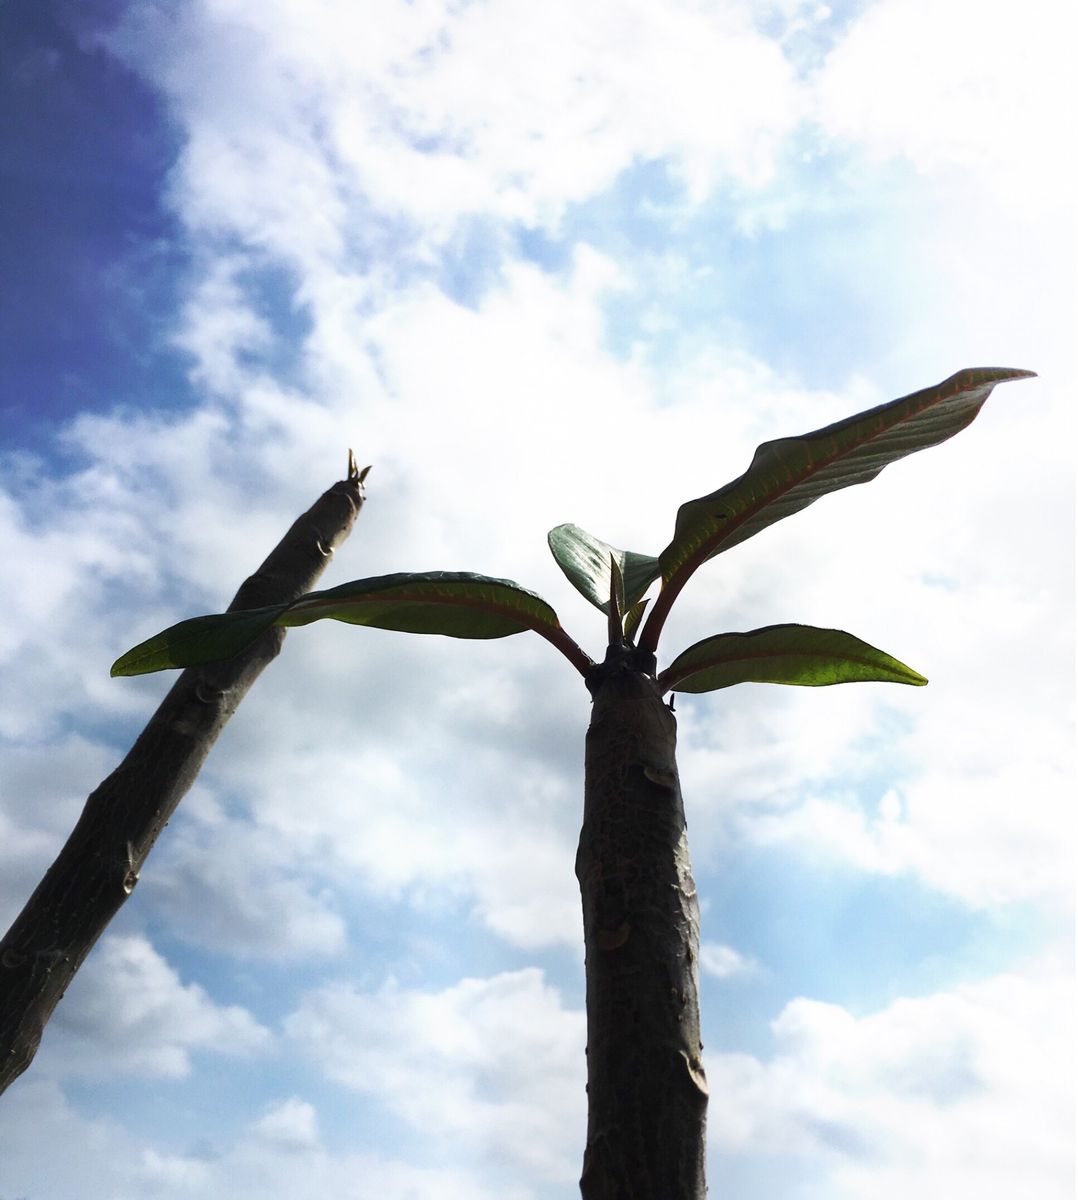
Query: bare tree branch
[99, 865]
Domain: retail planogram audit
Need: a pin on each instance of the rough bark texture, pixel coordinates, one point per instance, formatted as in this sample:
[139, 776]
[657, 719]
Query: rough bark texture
[99, 866]
[647, 1095]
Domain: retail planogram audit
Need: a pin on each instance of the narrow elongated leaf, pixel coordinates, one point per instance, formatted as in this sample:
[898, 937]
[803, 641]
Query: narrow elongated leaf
[802, 655]
[585, 561]
[789, 474]
[454, 603]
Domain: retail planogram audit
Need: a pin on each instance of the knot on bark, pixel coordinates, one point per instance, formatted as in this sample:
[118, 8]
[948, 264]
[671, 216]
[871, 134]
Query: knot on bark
[622, 658]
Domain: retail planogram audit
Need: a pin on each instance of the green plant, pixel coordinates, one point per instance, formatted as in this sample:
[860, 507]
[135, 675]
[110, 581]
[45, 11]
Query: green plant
[647, 1095]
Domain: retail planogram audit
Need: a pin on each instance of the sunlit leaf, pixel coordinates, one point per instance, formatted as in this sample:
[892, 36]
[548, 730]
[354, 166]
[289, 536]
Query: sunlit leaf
[586, 563]
[802, 655]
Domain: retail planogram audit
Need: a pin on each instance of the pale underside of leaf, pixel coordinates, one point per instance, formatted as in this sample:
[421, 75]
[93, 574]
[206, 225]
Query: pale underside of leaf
[800, 655]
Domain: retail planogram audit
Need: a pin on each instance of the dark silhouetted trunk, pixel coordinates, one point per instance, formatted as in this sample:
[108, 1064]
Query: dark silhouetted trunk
[99, 865]
[647, 1094]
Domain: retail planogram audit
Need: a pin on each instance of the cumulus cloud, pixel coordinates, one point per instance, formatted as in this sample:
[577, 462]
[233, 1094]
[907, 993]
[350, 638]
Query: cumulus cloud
[291, 1125]
[969, 786]
[966, 1092]
[499, 839]
[223, 883]
[988, 840]
[988, 92]
[128, 1011]
[428, 113]
[495, 1065]
[46, 780]
[724, 962]
[218, 327]
[279, 1153]
[58, 563]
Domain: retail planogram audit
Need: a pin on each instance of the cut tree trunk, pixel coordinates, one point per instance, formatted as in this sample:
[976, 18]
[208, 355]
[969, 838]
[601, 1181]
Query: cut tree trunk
[647, 1094]
[99, 865]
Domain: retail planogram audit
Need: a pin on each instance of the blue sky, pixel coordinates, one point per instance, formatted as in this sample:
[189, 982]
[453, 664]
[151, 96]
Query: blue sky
[539, 264]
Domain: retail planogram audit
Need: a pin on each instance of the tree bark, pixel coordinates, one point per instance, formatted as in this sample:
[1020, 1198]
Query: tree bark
[98, 867]
[647, 1094]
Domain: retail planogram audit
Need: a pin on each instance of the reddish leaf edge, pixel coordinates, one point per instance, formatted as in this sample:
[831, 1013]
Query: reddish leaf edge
[671, 588]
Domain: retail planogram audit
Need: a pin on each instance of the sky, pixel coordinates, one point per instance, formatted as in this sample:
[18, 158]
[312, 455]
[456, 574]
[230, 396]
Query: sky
[537, 264]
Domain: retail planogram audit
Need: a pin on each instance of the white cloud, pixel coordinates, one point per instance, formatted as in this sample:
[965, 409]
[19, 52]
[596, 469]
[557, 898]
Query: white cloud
[291, 1125]
[988, 840]
[723, 962]
[255, 906]
[430, 112]
[279, 1154]
[978, 767]
[501, 842]
[495, 1065]
[218, 325]
[989, 90]
[967, 1092]
[952, 1093]
[46, 780]
[129, 1012]
[55, 564]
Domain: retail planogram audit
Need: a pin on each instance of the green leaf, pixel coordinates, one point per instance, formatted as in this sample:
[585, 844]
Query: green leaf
[586, 563]
[802, 655]
[789, 474]
[454, 603]
[198, 640]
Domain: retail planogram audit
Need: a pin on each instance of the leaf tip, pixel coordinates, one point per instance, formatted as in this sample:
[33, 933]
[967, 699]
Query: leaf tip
[124, 667]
